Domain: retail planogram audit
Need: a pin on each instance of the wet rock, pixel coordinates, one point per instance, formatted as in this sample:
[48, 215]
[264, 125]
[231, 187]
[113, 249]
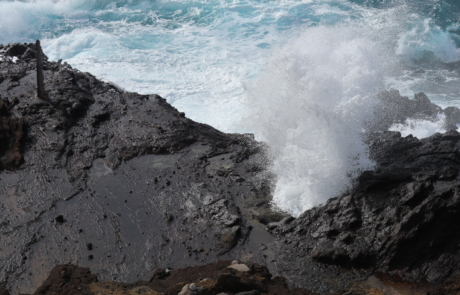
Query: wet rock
[12, 133]
[154, 189]
[67, 279]
[394, 108]
[124, 169]
[228, 237]
[396, 219]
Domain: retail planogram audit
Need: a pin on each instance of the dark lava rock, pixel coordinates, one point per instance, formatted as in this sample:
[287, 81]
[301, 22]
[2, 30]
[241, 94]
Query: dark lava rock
[394, 108]
[211, 279]
[16, 50]
[60, 219]
[123, 171]
[398, 219]
[152, 189]
[11, 138]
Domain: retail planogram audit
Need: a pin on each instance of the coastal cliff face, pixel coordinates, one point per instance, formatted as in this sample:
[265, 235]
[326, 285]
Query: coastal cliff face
[124, 184]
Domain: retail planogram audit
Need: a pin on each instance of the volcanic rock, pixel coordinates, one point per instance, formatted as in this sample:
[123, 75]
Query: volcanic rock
[149, 190]
[123, 172]
[69, 279]
[397, 219]
[11, 137]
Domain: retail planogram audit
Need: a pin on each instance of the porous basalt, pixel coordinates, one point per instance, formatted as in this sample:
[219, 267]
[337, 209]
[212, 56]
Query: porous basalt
[123, 184]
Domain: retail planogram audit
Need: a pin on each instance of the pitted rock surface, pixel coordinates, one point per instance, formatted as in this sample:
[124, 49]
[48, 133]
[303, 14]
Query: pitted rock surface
[398, 219]
[124, 184]
[125, 173]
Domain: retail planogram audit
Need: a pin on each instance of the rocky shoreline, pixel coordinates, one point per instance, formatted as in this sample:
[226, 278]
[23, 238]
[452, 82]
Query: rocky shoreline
[124, 184]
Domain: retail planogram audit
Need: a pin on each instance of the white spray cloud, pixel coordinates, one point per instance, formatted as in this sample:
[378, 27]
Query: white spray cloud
[315, 93]
[309, 106]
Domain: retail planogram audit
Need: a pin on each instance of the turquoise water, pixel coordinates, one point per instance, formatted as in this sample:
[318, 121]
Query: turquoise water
[200, 55]
[301, 74]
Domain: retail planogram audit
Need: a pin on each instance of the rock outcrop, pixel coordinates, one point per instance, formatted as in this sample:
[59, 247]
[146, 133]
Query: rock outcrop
[124, 184]
[398, 219]
[210, 279]
[116, 181]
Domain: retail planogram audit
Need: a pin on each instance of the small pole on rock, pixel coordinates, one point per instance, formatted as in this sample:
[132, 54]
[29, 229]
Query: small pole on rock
[40, 79]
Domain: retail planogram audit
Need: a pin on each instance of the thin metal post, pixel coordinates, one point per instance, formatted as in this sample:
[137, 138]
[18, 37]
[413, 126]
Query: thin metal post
[40, 79]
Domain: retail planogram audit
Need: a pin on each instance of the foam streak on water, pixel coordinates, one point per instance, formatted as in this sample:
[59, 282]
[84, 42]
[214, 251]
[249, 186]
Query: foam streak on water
[301, 74]
[420, 128]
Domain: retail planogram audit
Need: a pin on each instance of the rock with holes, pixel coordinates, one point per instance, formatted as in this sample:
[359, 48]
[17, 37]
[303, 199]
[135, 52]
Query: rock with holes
[398, 219]
[123, 172]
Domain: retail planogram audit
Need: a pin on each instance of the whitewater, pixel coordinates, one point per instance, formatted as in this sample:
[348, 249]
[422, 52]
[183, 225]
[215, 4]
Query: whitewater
[302, 75]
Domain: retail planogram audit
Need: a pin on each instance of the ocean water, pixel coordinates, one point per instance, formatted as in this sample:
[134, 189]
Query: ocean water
[301, 74]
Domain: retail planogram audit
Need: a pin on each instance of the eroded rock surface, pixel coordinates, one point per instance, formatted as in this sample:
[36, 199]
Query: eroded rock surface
[116, 181]
[397, 220]
[11, 138]
[210, 279]
[124, 184]
[392, 108]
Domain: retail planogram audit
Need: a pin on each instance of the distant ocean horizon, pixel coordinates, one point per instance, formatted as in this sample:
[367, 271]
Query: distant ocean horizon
[302, 75]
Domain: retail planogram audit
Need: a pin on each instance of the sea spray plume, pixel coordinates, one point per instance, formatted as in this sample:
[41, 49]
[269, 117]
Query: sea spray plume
[313, 102]
[309, 105]
[196, 53]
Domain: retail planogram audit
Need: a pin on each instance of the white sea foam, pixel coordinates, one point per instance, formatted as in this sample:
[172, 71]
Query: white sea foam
[198, 62]
[13, 59]
[420, 128]
[20, 20]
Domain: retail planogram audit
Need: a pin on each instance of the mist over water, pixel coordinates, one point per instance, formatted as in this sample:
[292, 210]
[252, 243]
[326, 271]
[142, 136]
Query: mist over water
[302, 75]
